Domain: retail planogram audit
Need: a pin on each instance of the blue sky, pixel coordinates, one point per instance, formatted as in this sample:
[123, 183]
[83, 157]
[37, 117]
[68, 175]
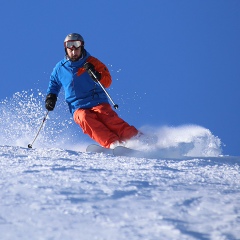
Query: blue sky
[172, 62]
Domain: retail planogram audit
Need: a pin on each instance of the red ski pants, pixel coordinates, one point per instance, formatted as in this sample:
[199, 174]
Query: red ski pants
[103, 125]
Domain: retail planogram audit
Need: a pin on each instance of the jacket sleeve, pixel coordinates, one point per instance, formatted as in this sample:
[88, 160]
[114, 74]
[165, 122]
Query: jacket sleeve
[54, 85]
[106, 78]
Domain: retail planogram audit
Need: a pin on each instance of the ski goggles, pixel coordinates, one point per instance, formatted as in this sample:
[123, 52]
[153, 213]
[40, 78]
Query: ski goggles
[71, 44]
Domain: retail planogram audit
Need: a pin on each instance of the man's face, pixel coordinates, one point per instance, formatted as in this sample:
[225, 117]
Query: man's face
[73, 49]
[74, 53]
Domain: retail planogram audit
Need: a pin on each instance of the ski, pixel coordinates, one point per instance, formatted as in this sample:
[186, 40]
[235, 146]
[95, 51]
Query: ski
[94, 148]
[128, 152]
[118, 151]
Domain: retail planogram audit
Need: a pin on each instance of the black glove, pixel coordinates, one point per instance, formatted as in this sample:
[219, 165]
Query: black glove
[95, 75]
[50, 101]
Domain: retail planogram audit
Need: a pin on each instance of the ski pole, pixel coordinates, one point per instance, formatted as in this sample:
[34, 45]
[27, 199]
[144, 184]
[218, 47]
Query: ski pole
[44, 119]
[90, 72]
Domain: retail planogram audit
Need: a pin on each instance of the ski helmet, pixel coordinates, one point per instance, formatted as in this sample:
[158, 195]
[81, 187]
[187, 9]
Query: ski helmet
[74, 37]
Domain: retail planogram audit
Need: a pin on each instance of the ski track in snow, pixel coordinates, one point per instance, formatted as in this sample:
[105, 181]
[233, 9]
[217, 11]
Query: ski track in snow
[65, 194]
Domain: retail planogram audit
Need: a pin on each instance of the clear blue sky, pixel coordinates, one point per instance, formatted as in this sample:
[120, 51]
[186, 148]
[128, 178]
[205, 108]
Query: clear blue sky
[173, 62]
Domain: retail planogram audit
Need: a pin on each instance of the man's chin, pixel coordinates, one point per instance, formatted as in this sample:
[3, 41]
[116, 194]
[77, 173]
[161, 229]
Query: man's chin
[74, 59]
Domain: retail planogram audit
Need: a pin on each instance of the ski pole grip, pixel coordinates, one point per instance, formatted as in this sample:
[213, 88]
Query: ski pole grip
[89, 67]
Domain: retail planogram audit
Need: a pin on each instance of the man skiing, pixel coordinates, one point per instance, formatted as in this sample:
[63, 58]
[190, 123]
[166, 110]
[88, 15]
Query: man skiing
[78, 73]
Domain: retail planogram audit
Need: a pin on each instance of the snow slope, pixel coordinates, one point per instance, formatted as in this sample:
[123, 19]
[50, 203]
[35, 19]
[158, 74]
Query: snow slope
[67, 193]
[63, 194]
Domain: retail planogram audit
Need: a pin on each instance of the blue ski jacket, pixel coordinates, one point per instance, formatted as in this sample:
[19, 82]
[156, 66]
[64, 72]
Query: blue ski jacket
[81, 91]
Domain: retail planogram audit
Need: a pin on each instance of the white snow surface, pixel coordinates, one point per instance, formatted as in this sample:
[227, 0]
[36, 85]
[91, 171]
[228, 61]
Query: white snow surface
[58, 191]
[65, 194]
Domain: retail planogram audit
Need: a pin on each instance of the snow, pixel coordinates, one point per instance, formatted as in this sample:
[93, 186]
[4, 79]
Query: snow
[58, 191]
[65, 194]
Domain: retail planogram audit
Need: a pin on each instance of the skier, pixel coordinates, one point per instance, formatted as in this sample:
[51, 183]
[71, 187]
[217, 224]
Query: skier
[87, 100]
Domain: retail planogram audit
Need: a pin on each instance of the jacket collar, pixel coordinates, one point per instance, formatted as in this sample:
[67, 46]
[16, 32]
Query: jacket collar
[78, 63]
